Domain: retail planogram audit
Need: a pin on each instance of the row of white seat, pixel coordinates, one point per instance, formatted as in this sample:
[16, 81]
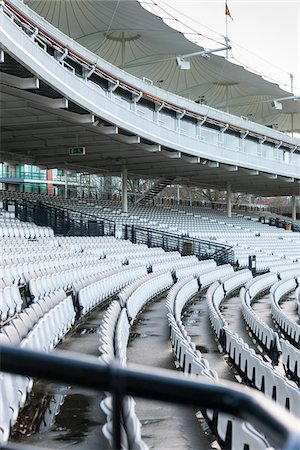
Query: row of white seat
[41, 286]
[19, 257]
[288, 326]
[266, 336]
[11, 302]
[297, 296]
[29, 232]
[232, 432]
[138, 293]
[24, 272]
[259, 373]
[39, 327]
[94, 294]
[114, 335]
[6, 282]
[290, 359]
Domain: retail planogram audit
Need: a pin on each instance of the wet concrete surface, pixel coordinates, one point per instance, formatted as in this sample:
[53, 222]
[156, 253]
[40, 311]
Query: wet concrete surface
[262, 307]
[164, 426]
[231, 309]
[289, 307]
[59, 417]
[196, 322]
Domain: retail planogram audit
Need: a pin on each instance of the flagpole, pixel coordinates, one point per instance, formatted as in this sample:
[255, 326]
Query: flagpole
[227, 54]
[226, 31]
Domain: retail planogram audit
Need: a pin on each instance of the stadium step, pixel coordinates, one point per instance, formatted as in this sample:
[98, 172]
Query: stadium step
[155, 190]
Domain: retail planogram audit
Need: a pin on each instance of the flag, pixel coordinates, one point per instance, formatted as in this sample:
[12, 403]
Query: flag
[227, 12]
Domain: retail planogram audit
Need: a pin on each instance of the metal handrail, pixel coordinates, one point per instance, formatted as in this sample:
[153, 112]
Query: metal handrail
[162, 385]
[221, 253]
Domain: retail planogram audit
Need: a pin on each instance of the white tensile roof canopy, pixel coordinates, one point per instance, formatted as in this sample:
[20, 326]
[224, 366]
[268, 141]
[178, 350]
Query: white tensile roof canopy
[125, 34]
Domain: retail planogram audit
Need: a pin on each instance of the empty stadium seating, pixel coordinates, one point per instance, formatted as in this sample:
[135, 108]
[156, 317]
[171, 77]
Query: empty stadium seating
[49, 282]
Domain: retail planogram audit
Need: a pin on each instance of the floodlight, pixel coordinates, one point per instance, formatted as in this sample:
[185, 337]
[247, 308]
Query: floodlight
[182, 63]
[276, 105]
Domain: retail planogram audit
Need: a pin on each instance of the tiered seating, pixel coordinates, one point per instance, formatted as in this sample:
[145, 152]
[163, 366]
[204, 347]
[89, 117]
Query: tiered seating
[267, 338]
[232, 432]
[251, 366]
[39, 326]
[114, 335]
[11, 227]
[72, 275]
[290, 328]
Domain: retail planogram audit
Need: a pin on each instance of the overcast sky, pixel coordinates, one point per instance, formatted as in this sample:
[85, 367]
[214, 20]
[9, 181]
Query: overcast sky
[260, 28]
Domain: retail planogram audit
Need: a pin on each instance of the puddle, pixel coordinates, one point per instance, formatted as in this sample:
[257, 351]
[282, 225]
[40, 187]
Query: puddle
[138, 335]
[74, 423]
[90, 330]
[201, 348]
[39, 414]
[150, 421]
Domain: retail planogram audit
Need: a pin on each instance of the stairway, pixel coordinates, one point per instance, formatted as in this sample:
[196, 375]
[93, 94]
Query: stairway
[156, 189]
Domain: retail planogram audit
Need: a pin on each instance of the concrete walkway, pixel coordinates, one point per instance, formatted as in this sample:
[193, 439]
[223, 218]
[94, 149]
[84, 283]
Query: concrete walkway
[164, 426]
[79, 420]
[197, 324]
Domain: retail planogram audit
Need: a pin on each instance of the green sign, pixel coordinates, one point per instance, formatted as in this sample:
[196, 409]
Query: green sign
[77, 151]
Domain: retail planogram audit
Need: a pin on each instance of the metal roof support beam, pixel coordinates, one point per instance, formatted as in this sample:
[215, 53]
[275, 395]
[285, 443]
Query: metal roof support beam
[201, 122]
[173, 155]
[124, 176]
[159, 107]
[152, 148]
[245, 134]
[1, 56]
[253, 172]
[294, 207]
[271, 176]
[228, 199]
[224, 129]
[137, 97]
[112, 86]
[52, 103]
[261, 141]
[213, 164]
[192, 159]
[90, 72]
[180, 114]
[232, 168]
[20, 83]
[84, 118]
[108, 130]
[129, 139]
[62, 56]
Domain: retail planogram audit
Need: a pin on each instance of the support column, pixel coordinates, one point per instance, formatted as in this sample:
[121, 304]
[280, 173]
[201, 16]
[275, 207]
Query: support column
[178, 194]
[124, 190]
[294, 207]
[228, 198]
[66, 184]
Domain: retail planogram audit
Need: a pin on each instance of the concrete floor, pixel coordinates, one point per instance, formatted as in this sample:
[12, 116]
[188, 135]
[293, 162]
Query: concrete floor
[164, 426]
[79, 419]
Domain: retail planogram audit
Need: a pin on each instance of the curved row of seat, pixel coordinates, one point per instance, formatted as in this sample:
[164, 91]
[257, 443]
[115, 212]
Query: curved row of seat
[290, 328]
[109, 284]
[251, 366]
[268, 338]
[31, 231]
[138, 293]
[232, 432]
[11, 302]
[65, 279]
[114, 335]
[39, 326]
